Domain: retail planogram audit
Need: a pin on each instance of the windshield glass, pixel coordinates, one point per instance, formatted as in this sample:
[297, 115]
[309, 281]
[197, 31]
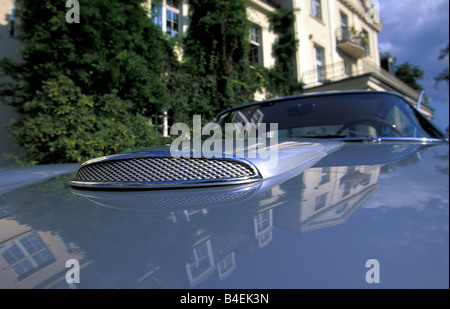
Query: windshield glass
[352, 115]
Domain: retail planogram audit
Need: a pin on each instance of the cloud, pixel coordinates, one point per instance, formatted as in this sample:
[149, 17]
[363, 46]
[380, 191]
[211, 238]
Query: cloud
[417, 185]
[414, 13]
[388, 47]
[417, 24]
[415, 31]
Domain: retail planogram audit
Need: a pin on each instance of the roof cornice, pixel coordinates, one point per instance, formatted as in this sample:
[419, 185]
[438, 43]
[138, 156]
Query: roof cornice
[359, 8]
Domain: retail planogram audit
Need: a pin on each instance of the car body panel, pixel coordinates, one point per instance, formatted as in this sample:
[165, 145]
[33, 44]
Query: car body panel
[366, 210]
[317, 229]
[16, 177]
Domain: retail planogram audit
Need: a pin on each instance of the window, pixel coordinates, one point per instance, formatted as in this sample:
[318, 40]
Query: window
[347, 69]
[167, 16]
[12, 18]
[157, 15]
[322, 115]
[316, 9]
[255, 55]
[344, 27]
[347, 188]
[263, 221]
[319, 64]
[325, 175]
[341, 208]
[321, 201]
[26, 254]
[263, 224]
[365, 40]
[401, 120]
[200, 260]
[344, 20]
[226, 265]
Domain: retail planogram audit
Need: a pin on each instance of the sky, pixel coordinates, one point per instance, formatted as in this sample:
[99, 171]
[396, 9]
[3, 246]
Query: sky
[415, 31]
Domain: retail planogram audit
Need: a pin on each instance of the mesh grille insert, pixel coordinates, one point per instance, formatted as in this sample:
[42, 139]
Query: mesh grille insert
[164, 169]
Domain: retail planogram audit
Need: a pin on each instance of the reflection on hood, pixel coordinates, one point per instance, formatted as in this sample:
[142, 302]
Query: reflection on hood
[180, 238]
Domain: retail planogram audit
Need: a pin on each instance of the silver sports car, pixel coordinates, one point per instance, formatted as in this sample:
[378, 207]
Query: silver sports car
[330, 190]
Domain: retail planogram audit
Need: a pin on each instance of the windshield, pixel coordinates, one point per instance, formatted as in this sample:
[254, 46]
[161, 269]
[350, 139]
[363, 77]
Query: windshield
[342, 116]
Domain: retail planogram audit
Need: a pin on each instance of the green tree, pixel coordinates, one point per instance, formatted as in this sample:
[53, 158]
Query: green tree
[115, 47]
[281, 78]
[216, 72]
[115, 52]
[443, 76]
[61, 124]
[410, 74]
[216, 50]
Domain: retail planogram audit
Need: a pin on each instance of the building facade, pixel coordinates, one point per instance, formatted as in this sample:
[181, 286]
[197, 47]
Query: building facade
[338, 49]
[338, 42]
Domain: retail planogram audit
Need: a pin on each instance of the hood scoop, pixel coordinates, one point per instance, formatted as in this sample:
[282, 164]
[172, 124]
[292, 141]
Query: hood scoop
[152, 170]
[158, 168]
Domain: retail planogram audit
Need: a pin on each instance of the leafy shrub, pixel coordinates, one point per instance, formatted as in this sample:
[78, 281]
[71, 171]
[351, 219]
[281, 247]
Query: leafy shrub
[61, 124]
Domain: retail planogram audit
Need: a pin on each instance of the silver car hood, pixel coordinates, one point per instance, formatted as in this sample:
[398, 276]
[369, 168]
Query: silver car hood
[321, 228]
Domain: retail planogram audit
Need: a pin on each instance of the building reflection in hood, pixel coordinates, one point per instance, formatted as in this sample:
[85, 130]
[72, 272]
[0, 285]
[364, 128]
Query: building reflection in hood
[328, 196]
[332, 196]
[30, 258]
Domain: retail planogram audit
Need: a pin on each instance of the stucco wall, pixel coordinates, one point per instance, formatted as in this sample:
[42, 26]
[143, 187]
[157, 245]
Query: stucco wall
[9, 47]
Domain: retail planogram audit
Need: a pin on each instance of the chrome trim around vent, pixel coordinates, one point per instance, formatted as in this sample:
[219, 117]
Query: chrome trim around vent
[180, 199]
[161, 170]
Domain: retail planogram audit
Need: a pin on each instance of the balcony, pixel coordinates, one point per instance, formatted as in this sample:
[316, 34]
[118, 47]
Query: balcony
[353, 43]
[340, 71]
[327, 74]
[365, 75]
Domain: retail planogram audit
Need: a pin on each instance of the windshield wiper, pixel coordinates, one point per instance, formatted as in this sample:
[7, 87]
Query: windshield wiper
[318, 136]
[370, 137]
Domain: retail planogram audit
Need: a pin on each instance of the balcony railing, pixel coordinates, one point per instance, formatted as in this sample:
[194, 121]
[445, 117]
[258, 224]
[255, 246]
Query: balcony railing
[353, 43]
[340, 71]
[327, 74]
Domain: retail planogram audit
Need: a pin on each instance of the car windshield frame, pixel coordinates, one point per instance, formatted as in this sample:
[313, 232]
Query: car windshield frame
[347, 116]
